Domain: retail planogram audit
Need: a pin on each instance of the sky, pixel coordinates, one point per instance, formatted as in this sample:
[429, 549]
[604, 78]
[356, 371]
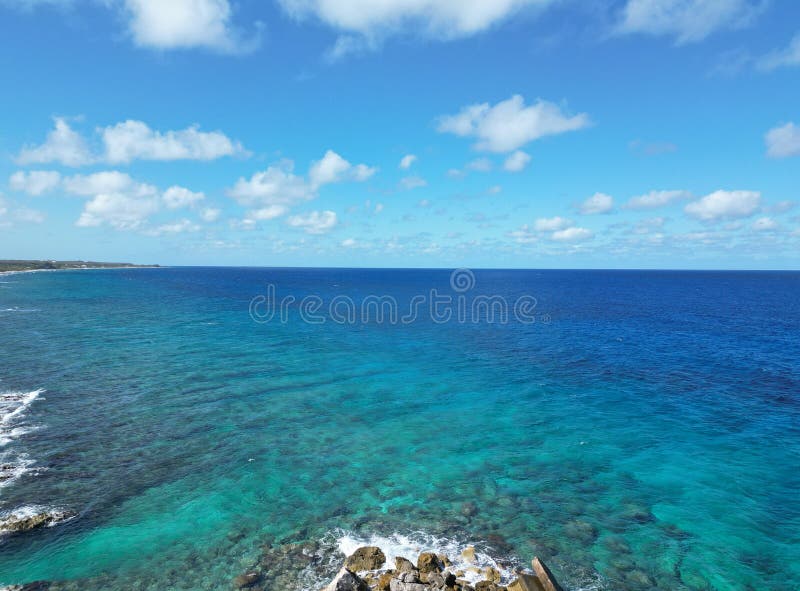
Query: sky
[402, 133]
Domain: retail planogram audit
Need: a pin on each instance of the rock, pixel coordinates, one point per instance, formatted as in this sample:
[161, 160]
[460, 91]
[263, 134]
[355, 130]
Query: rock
[469, 509]
[19, 524]
[365, 558]
[468, 554]
[639, 579]
[434, 579]
[491, 574]
[429, 562]
[384, 581]
[246, 580]
[526, 582]
[486, 586]
[407, 581]
[347, 581]
[445, 560]
[35, 586]
[403, 564]
[544, 575]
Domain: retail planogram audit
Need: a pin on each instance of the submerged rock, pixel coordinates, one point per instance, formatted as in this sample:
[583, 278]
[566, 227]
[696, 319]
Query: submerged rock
[246, 580]
[366, 558]
[27, 522]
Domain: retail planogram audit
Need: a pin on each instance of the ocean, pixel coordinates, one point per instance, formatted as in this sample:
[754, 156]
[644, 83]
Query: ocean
[635, 429]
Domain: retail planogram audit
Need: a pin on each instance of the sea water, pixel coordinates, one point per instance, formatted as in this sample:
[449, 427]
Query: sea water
[639, 430]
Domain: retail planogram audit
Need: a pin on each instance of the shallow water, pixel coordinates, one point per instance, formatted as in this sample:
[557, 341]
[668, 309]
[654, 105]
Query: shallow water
[643, 433]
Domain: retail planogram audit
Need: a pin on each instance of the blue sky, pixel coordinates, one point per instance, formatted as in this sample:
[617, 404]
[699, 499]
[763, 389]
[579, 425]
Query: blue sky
[402, 133]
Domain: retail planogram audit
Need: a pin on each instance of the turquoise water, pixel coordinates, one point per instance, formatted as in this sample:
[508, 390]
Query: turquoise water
[643, 433]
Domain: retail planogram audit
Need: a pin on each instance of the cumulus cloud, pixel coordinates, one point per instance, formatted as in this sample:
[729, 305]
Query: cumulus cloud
[109, 181]
[314, 222]
[128, 141]
[765, 224]
[272, 192]
[552, 224]
[479, 165]
[510, 124]
[573, 234]
[35, 182]
[596, 204]
[119, 210]
[655, 199]
[332, 168]
[185, 24]
[406, 161]
[412, 182]
[134, 140]
[62, 145]
[210, 214]
[787, 57]
[721, 205]
[783, 141]
[517, 161]
[688, 21]
[177, 197]
[277, 185]
[177, 227]
[364, 24]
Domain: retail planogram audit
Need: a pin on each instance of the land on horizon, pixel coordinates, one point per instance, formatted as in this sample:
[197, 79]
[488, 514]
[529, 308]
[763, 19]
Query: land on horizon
[51, 265]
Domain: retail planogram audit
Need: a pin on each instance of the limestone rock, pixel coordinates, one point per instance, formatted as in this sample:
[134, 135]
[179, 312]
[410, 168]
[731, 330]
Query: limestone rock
[19, 524]
[347, 581]
[545, 576]
[429, 562]
[468, 554]
[365, 558]
[403, 564]
[407, 581]
[525, 582]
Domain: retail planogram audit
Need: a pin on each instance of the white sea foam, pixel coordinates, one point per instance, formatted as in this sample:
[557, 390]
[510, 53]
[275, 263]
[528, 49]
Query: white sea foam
[13, 405]
[411, 545]
[18, 309]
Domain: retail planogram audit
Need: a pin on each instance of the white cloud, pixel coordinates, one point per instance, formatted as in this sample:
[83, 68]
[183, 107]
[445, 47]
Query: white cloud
[765, 224]
[523, 235]
[349, 243]
[270, 212]
[110, 181]
[118, 210]
[597, 203]
[687, 20]
[184, 24]
[552, 224]
[30, 216]
[406, 161]
[127, 141]
[314, 222]
[332, 168]
[574, 234]
[510, 124]
[494, 189]
[210, 214]
[34, 182]
[783, 141]
[364, 24]
[277, 185]
[655, 199]
[176, 197]
[517, 161]
[178, 227]
[134, 140]
[63, 145]
[721, 205]
[479, 165]
[790, 56]
[412, 182]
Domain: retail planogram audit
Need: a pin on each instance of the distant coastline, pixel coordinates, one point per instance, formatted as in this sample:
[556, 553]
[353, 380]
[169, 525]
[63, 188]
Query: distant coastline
[23, 266]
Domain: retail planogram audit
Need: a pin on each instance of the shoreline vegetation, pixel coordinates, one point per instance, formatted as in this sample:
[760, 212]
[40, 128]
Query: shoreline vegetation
[25, 266]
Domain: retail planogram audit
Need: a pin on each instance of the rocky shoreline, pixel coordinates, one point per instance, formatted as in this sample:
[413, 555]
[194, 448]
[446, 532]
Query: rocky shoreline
[367, 569]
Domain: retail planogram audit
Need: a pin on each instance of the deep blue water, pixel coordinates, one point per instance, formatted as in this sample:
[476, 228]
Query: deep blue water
[642, 432]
